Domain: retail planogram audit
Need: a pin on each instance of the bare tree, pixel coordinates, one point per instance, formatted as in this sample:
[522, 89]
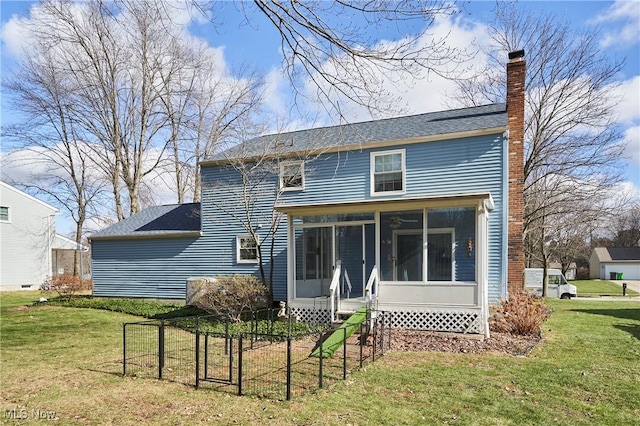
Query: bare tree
[255, 174]
[336, 47]
[573, 148]
[47, 143]
[203, 106]
[117, 52]
[148, 103]
[625, 228]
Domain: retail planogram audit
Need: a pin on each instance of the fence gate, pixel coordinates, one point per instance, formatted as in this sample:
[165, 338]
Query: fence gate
[217, 361]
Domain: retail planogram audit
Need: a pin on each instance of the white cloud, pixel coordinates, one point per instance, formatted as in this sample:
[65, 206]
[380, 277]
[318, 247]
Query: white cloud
[628, 91]
[430, 92]
[13, 36]
[412, 93]
[274, 92]
[625, 191]
[632, 140]
[625, 17]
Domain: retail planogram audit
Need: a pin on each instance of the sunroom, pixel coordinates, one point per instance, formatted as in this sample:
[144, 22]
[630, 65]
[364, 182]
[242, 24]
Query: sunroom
[425, 260]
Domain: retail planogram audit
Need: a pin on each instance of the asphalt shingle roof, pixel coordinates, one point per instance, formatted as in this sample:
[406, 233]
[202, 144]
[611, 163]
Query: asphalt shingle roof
[624, 253]
[176, 218]
[369, 132]
[156, 221]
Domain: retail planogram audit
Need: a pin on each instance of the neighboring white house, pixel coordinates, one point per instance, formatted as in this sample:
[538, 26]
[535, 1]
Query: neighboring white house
[28, 239]
[608, 262]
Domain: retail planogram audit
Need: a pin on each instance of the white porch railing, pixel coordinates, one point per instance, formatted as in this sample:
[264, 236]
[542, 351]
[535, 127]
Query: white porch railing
[346, 285]
[334, 294]
[370, 290]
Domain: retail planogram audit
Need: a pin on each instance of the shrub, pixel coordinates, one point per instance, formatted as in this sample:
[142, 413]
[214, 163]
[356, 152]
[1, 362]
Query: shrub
[67, 285]
[229, 296]
[521, 314]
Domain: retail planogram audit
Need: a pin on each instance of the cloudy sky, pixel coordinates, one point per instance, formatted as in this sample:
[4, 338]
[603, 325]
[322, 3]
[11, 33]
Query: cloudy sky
[258, 45]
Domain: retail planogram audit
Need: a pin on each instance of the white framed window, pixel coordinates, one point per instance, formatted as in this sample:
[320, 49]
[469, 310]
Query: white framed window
[246, 249]
[292, 175]
[388, 174]
[4, 214]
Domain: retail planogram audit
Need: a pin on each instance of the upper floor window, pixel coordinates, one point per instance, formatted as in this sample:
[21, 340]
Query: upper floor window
[4, 214]
[292, 175]
[388, 172]
[246, 249]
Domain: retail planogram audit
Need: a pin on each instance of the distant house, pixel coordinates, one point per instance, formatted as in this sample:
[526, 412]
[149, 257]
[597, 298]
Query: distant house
[419, 216]
[30, 249]
[606, 262]
[571, 271]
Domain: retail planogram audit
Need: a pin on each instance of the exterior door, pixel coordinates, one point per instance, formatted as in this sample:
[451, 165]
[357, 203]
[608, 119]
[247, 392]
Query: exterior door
[318, 249]
[314, 261]
[355, 249]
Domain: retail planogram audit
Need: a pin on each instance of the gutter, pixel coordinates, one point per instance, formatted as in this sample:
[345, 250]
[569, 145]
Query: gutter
[147, 236]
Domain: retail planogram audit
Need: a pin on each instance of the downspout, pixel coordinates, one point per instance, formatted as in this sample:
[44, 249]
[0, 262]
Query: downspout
[504, 294]
[291, 261]
[81, 262]
[482, 255]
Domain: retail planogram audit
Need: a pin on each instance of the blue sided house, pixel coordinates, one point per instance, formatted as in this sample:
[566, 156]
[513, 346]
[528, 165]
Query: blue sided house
[419, 216]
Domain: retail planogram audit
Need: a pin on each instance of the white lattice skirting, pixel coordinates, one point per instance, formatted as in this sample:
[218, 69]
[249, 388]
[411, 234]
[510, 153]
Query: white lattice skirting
[450, 321]
[437, 320]
[313, 316]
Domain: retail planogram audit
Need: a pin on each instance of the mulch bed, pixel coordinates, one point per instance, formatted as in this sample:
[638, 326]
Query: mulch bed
[414, 341]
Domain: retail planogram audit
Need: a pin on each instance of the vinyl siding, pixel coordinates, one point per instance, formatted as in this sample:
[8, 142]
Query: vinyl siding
[159, 267]
[153, 268]
[221, 204]
[434, 168]
[440, 168]
[26, 240]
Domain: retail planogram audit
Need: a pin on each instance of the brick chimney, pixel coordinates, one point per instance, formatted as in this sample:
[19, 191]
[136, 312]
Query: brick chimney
[516, 69]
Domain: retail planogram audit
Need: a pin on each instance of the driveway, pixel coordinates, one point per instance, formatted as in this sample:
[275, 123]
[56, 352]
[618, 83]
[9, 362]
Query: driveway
[632, 284]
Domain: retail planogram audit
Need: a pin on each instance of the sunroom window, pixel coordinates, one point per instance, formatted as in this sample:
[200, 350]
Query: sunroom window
[443, 251]
[451, 236]
[388, 172]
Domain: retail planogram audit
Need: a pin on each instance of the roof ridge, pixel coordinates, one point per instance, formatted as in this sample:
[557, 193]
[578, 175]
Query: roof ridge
[408, 127]
[380, 120]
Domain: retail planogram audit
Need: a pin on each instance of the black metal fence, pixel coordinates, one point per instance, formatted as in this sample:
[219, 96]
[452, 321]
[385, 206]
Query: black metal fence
[262, 356]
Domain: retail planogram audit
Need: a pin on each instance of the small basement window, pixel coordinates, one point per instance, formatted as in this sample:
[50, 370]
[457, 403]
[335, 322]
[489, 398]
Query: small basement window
[388, 172]
[292, 175]
[246, 249]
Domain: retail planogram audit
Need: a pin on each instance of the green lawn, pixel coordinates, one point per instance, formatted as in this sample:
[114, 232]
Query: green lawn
[586, 371]
[594, 288]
